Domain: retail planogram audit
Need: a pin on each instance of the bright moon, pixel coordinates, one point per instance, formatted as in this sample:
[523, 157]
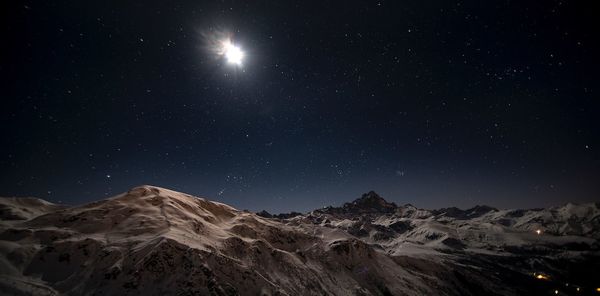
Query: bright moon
[233, 54]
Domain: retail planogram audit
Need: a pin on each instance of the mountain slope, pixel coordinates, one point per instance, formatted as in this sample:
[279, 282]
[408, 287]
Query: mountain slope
[24, 208]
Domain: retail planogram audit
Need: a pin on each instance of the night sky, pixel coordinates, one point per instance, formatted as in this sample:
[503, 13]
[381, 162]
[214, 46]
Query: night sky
[434, 103]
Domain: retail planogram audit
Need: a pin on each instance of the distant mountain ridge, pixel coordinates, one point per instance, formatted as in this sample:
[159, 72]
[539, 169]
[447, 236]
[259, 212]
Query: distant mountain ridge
[560, 220]
[155, 241]
[368, 203]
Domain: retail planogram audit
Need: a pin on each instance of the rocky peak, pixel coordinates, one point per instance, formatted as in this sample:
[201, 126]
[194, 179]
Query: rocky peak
[370, 202]
[264, 214]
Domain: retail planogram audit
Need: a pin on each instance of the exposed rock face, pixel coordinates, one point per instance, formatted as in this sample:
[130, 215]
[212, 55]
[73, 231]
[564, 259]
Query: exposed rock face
[154, 241]
[369, 203]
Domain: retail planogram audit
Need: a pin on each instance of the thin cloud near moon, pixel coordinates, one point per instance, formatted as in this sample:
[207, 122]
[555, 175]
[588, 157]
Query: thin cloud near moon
[221, 46]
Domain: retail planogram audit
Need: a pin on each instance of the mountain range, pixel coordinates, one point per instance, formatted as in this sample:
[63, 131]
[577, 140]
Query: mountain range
[154, 241]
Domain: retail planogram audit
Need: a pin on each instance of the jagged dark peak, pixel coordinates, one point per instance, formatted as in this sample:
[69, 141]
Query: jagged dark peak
[265, 214]
[371, 195]
[370, 202]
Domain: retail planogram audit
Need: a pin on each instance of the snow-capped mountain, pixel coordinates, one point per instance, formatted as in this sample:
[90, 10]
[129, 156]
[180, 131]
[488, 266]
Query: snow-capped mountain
[373, 219]
[154, 241]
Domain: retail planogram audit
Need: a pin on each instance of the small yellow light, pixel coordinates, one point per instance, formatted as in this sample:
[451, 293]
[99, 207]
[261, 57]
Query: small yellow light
[556, 292]
[541, 277]
[577, 289]
[597, 289]
[538, 232]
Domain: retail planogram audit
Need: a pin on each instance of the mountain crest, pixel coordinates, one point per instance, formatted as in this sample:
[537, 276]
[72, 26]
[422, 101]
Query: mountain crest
[371, 197]
[370, 202]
